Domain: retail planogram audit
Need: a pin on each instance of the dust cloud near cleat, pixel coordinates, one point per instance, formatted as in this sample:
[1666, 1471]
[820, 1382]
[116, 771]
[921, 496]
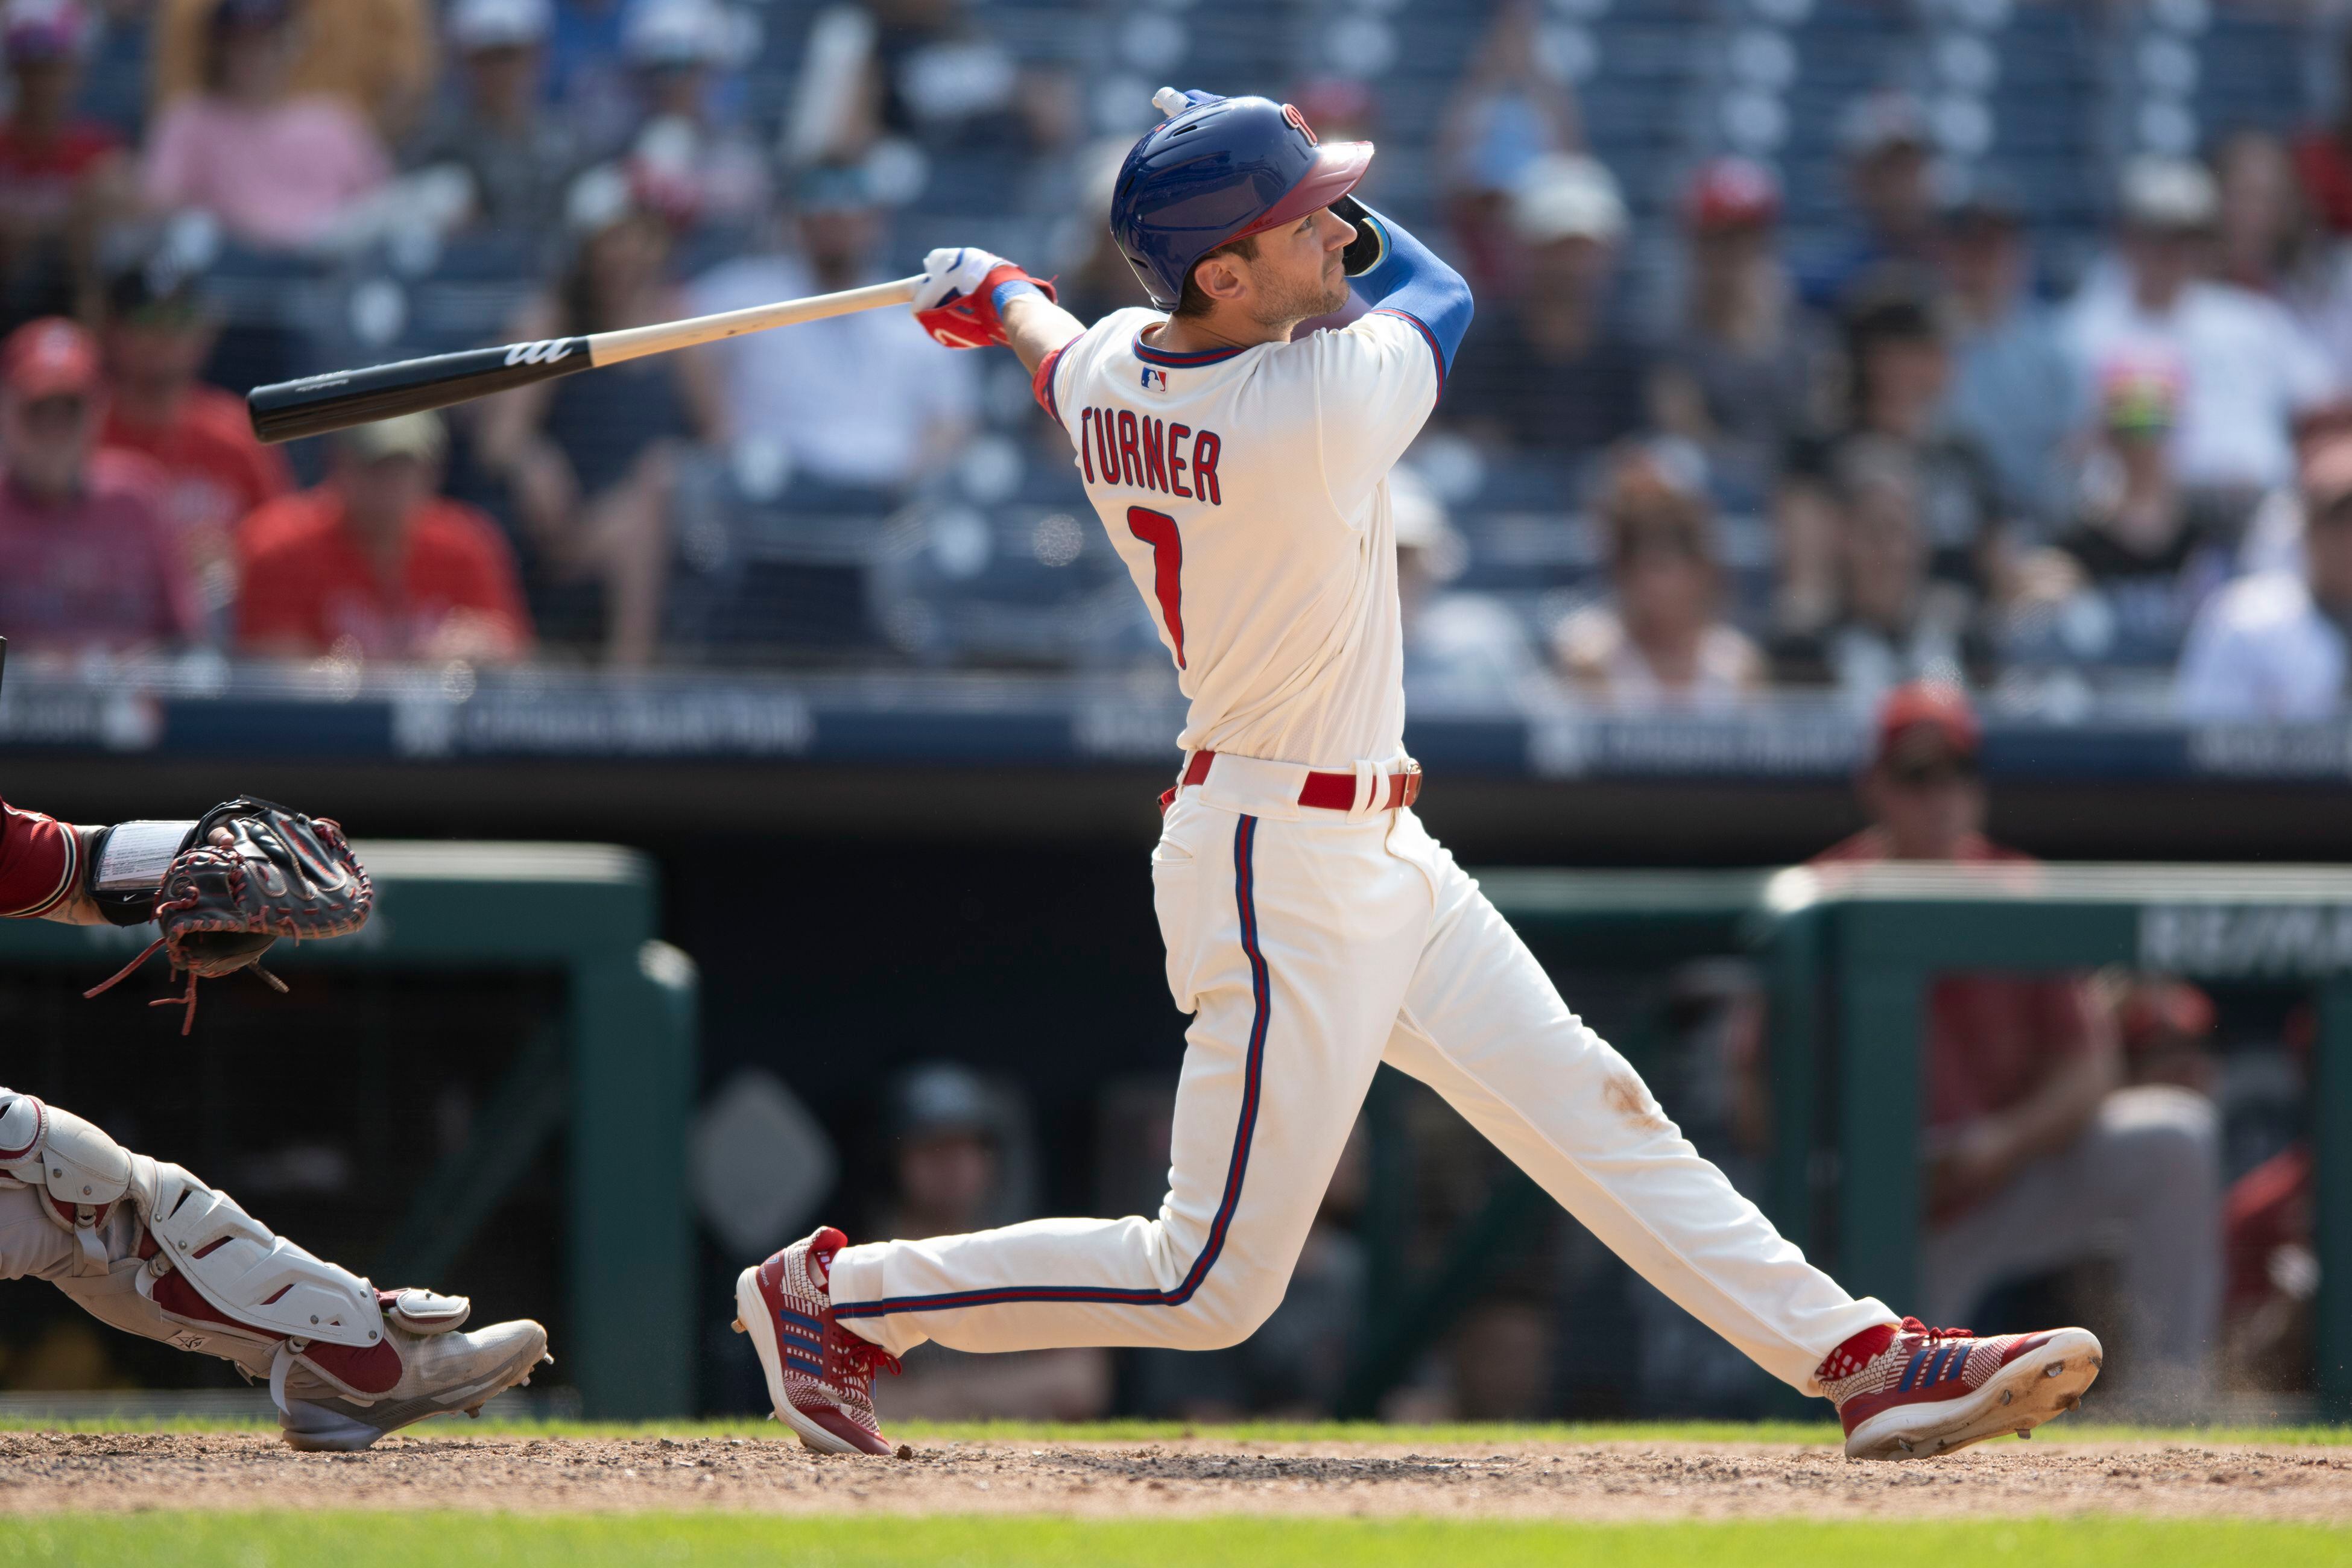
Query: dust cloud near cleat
[1910, 1392]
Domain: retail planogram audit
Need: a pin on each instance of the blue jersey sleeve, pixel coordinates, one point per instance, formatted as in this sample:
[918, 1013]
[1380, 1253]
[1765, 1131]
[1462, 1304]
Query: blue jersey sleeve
[1410, 280]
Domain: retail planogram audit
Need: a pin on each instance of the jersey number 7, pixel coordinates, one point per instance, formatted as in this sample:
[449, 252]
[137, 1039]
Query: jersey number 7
[1158, 529]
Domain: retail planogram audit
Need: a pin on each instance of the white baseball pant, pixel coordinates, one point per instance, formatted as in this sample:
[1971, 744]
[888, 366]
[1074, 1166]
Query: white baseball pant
[1311, 946]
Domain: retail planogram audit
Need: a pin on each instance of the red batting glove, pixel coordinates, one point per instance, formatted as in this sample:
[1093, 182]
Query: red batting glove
[957, 302]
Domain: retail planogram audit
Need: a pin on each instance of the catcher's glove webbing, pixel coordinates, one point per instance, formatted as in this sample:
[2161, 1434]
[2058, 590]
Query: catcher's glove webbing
[249, 873]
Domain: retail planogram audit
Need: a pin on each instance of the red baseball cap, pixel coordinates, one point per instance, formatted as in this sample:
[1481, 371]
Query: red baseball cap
[2154, 1009]
[49, 358]
[1732, 192]
[1936, 705]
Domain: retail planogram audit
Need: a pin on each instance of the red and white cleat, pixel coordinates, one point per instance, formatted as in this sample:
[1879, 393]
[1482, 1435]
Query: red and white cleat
[1911, 1392]
[820, 1375]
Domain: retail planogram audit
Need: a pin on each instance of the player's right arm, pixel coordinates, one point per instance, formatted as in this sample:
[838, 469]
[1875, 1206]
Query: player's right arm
[972, 299]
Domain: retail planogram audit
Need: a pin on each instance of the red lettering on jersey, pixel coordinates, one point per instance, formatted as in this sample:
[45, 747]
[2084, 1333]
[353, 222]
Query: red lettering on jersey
[1176, 433]
[1205, 448]
[1130, 466]
[1086, 440]
[1155, 454]
[1105, 446]
[1158, 529]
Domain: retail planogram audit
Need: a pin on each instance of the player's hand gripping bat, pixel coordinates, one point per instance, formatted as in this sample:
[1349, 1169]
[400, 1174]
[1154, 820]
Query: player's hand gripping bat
[339, 399]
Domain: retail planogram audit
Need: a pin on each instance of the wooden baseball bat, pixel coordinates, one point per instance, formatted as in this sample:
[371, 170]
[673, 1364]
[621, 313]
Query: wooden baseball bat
[318, 404]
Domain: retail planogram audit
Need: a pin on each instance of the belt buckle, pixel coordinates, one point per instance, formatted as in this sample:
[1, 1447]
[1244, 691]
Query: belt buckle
[1411, 777]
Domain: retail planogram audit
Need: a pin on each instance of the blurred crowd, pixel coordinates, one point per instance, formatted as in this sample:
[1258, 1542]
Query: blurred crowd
[1663, 475]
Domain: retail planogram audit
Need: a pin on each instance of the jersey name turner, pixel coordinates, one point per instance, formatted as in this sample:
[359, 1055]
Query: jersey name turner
[1145, 453]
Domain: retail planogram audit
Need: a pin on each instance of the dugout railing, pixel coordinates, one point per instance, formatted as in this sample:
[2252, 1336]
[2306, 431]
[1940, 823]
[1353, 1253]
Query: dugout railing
[1853, 951]
[1848, 955]
[616, 1070]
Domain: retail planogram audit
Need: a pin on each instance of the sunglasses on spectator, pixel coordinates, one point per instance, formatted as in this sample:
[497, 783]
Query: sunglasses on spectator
[1928, 772]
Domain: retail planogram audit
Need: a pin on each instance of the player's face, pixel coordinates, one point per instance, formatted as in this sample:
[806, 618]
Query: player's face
[48, 440]
[1927, 797]
[1297, 274]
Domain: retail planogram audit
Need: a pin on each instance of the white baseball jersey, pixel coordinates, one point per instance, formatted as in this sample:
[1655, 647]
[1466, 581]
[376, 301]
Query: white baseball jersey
[1246, 491]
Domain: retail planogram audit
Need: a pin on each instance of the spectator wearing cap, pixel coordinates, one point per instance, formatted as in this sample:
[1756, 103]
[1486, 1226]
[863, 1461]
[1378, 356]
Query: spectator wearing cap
[2015, 391]
[860, 404]
[1465, 648]
[2274, 645]
[377, 56]
[275, 164]
[1889, 621]
[591, 462]
[2036, 1157]
[1889, 167]
[62, 174]
[1511, 108]
[520, 157]
[376, 563]
[2323, 159]
[1745, 369]
[1660, 640]
[2246, 373]
[87, 560]
[959, 1160]
[1899, 372]
[2166, 1029]
[156, 337]
[1550, 370]
[679, 48]
[1898, 344]
[2121, 584]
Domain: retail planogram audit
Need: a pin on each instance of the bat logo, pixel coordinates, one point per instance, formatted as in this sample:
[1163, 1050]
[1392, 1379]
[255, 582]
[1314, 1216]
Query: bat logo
[546, 352]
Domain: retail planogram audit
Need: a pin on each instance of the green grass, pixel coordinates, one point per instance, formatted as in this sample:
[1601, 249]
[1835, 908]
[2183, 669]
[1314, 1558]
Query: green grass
[1453, 1435]
[717, 1541]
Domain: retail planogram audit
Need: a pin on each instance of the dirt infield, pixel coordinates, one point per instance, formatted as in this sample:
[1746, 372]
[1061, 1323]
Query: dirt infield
[1607, 1481]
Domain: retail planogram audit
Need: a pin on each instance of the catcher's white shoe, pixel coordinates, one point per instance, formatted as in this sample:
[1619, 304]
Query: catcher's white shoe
[440, 1371]
[820, 1375]
[1912, 1392]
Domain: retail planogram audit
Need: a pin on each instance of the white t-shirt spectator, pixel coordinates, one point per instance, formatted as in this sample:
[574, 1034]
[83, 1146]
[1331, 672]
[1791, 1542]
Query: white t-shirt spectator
[2246, 371]
[850, 400]
[2260, 649]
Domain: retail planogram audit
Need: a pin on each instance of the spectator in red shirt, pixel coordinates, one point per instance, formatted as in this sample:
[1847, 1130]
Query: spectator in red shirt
[156, 339]
[376, 563]
[86, 558]
[2035, 1155]
[60, 173]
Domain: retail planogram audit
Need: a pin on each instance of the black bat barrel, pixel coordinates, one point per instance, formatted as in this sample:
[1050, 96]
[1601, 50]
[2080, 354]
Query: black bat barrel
[341, 399]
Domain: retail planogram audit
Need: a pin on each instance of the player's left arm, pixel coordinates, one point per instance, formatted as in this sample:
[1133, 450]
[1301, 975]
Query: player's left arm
[1402, 277]
[1377, 380]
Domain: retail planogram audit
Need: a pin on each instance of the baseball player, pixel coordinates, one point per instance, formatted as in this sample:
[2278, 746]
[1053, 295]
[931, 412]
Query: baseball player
[1312, 928]
[148, 1248]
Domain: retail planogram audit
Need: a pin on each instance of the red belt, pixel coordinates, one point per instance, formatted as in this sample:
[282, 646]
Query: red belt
[1326, 791]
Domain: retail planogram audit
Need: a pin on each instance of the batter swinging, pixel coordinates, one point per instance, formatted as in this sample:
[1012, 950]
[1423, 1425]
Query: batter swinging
[1314, 929]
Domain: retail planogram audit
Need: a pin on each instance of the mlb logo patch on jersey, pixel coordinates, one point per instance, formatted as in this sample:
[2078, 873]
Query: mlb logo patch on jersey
[1154, 380]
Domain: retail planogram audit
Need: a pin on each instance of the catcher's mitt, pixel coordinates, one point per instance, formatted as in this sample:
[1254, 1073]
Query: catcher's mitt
[249, 873]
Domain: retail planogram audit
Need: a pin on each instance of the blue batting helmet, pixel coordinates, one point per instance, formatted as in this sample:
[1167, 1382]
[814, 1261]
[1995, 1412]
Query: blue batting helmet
[1218, 170]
